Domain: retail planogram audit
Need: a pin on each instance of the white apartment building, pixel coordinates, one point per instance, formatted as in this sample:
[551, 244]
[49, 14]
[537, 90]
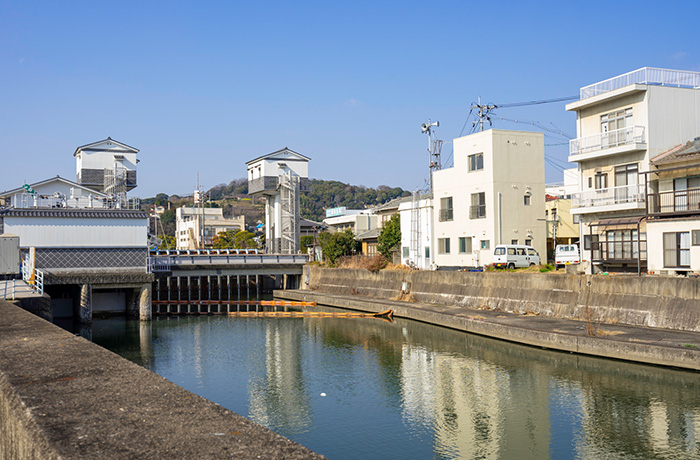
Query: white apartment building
[356, 220]
[196, 228]
[622, 123]
[494, 194]
[416, 220]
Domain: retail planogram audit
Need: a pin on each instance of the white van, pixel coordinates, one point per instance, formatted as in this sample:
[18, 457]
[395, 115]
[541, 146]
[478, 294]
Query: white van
[566, 254]
[514, 256]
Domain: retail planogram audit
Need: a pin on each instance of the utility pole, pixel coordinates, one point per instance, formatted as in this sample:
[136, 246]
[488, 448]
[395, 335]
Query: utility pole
[483, 112]
[434, 148]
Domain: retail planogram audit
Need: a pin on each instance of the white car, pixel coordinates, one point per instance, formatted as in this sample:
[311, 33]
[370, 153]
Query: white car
[566, 254]
[514, 256]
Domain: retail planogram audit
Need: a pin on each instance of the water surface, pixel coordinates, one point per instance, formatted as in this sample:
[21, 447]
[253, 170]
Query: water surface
[411, 390]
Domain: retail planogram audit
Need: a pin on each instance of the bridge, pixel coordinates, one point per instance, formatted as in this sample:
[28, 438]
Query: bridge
[202, 280]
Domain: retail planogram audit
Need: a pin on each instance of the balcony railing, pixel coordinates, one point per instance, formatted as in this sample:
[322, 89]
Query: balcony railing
[446, 215]
[26, 200]
[644, 76]
[608, 196]
[674, 202]
[477, 211]
[615, 138]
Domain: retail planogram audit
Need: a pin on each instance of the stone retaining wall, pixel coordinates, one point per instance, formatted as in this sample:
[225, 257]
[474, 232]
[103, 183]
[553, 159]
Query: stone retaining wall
[661, 302]
[64, 397]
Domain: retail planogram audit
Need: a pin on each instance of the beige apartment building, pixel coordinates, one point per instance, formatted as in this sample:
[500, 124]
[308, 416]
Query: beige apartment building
[622, 123]
[494, 194]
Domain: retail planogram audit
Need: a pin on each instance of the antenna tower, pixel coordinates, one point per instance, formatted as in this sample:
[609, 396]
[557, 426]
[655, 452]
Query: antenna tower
[434, 149]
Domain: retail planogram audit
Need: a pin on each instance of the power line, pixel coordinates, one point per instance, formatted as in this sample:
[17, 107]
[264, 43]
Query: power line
[542, 101]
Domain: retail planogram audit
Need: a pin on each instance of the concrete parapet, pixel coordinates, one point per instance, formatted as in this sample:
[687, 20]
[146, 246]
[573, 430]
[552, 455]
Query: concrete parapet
[669, 303]
[64, 397]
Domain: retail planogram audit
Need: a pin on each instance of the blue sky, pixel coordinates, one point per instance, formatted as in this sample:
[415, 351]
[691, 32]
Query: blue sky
[206, 86]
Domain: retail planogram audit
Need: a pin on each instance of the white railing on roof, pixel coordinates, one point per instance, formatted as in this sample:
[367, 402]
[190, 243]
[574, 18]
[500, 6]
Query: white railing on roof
[27, 200]
[614, 138]
[644, 76]
[608, 196]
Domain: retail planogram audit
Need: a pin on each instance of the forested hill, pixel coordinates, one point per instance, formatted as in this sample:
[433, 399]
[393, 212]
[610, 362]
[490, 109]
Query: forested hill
[322, 194]
[325, 194]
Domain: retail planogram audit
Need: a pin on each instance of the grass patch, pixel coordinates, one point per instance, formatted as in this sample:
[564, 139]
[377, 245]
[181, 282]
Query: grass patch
[690, 345]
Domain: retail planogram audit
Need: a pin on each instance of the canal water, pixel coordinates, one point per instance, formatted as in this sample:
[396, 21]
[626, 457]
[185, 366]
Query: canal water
[366, 388]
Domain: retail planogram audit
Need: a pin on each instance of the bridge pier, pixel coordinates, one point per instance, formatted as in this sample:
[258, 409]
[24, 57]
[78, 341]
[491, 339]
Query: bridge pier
[145, 295]
[84, 313]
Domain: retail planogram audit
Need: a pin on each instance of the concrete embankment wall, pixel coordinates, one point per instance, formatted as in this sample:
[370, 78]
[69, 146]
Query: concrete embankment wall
[669, 303]
[64, 397]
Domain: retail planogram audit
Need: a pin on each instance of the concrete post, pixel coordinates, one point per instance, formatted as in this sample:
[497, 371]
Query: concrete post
[132, 303]
[145, 302]
[85, 310]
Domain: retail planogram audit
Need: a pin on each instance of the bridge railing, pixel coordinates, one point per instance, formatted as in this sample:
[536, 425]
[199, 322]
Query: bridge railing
[163, 262]
[33, 276]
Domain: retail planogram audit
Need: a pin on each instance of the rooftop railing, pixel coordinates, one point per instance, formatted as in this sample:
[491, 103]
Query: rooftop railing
[27, 200]
[644, 76]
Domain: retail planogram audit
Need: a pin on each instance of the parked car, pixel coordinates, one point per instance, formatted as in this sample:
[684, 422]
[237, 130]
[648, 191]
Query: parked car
[514, 256]
[566, 254]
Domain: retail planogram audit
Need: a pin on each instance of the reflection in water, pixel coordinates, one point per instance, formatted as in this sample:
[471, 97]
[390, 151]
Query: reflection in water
[411, 390]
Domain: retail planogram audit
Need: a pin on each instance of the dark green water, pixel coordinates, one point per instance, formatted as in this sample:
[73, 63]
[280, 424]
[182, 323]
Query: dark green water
[407, 390]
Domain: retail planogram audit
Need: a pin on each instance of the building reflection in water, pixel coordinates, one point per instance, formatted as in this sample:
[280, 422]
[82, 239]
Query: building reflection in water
[406, 385]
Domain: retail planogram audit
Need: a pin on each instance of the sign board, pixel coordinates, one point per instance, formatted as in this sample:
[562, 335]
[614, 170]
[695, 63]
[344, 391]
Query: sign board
[335, 212]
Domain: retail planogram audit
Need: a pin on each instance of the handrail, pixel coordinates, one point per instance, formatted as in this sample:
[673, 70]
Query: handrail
[34, 277]
[645, 76]
[614, 138]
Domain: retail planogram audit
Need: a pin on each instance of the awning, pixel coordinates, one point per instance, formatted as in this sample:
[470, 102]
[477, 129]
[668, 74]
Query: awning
[619, 222]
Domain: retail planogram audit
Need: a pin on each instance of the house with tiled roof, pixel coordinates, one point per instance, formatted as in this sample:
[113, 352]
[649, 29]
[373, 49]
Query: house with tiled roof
[673, 210]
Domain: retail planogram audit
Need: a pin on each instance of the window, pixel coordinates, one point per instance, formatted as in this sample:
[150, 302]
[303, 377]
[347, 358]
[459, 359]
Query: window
[427, 253]
[406, 253]
[685, 194]
[601, 181]
[443, 245]
[476, 162]
[677, 249]
[478, 208]
[626, 175]
[587, 242]
[446, 213]
[465, 244]
[511, 251]
[531, 252]
[613, 128]
[513, 241]
[554, 215]
[590, 182]
[499, 251]
[696, 237]
[527, 199]
[528, 242]
[484, 244]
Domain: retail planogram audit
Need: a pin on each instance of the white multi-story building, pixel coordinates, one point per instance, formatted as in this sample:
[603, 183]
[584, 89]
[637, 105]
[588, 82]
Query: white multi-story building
[622, 123]
[196, 228]
[673, 210]
[494, 194]
[280, 177]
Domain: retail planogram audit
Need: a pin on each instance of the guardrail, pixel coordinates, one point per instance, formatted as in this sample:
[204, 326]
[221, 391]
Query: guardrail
[608, 196]
[614, 138]
[645, 76]
[26, 200]
[165, 263]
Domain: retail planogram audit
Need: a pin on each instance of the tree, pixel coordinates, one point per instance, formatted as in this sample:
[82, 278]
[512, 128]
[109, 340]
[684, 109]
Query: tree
[168, 242]
[335, 245]
[390, 236]
[235, 239]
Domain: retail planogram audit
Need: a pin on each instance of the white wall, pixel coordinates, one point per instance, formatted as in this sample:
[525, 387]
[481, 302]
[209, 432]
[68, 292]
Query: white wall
[425, 237]
[655, 244]
[513, 166]
[78, 232]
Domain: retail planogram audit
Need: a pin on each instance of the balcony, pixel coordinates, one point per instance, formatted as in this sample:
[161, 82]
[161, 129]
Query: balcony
[644, 76]
[59, 201]
[611, 143]
[626, 197]
[674, 203]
